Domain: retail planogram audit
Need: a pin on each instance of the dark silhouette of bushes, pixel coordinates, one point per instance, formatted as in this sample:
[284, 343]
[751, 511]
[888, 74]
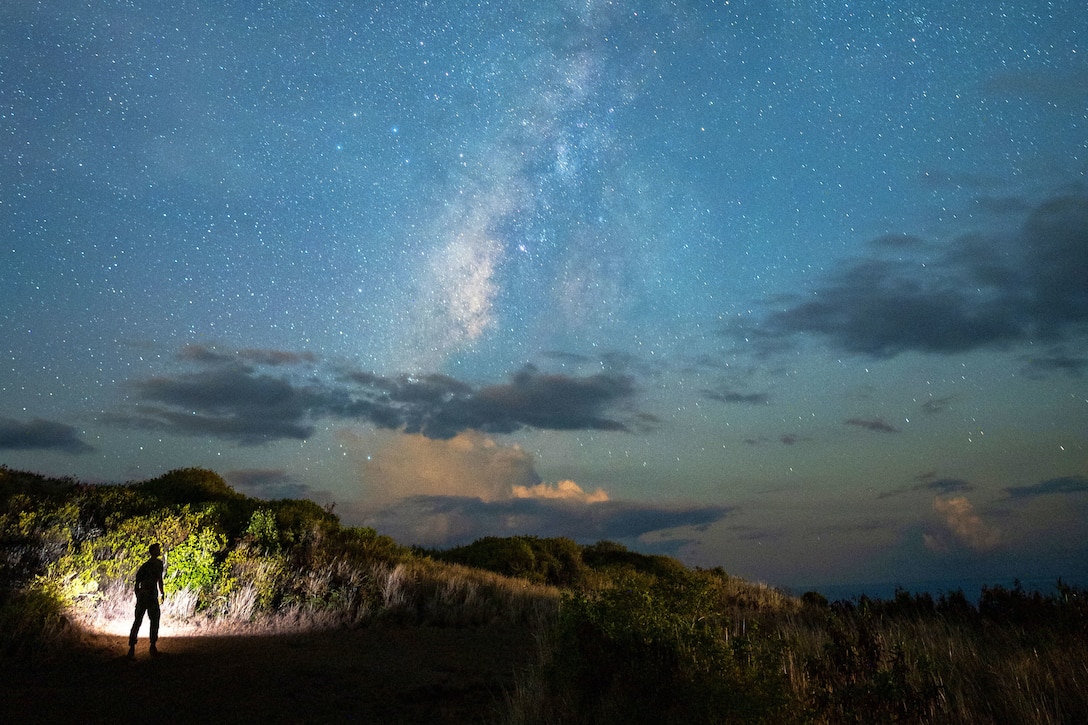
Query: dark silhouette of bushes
[554, 561]
[189, 485]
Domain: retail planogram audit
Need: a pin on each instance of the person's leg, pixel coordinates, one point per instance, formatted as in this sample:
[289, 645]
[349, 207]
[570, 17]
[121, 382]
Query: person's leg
[141, 607]
[153, 613]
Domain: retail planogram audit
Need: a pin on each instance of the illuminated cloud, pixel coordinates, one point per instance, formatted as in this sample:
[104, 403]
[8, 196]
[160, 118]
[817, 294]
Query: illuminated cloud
[444, 492]
[469, 465]
[564, 490]
[959, 516]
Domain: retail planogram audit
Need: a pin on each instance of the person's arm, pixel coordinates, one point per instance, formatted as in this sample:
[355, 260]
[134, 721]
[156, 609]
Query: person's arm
[162, 592]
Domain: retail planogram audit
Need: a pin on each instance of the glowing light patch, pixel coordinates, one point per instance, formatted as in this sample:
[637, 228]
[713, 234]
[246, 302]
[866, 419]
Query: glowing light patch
[564, 490]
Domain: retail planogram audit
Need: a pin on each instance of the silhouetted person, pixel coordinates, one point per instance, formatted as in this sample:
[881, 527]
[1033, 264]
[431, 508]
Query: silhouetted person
[148, 590]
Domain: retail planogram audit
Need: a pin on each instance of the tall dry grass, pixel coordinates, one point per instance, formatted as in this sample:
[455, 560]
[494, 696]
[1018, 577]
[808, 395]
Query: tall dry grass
[812, 663]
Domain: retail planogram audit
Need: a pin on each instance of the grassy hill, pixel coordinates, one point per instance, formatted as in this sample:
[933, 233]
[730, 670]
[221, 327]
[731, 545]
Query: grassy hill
[621, 636]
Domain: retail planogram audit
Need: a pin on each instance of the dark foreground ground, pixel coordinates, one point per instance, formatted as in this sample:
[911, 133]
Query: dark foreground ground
[372, 675]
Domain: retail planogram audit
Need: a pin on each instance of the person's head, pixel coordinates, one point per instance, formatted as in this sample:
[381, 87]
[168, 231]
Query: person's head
[154, 550]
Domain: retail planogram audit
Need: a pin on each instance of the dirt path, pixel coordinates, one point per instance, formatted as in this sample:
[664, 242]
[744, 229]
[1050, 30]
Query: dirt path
[370, 675]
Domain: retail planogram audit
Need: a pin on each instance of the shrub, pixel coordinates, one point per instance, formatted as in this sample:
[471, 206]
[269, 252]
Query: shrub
[655, 649]
[32, 621]
[189, 485]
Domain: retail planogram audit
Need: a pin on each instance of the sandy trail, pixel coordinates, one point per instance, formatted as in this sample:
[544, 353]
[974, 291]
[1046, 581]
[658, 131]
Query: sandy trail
[376, 674]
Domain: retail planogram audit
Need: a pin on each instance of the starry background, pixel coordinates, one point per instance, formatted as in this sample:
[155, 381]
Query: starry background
[799, 289]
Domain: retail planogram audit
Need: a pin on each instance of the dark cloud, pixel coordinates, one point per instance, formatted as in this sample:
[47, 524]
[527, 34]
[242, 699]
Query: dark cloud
[937, 405]
[931, 484]
[557, 402]
[234, 401]
[40, 434]
[567, 357]
[438, 406]
[1057, 361]
[732, 396]
[786, 439]
[230, 402]
[790, 439]
[981, 291]
[945, 486]
[451, 520]
[268, 483]
[1063, 485]
[874, 424]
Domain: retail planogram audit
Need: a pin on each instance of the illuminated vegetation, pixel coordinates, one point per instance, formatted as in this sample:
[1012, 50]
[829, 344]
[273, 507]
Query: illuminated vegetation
[624, 637]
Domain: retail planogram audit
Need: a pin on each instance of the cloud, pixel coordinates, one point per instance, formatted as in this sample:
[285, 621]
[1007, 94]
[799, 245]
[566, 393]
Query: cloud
[937, 405]
[556, 402]
[229, 402]
[229, 399]
[566, 490]
[1053, 486]
[269, 483]
[1057, 361]
[445, 492]
[932, 484]
[437, 406]
[981, 291]
[964, 524]
[39, 434]
[874, 424]
[468, 465]
[732, 396]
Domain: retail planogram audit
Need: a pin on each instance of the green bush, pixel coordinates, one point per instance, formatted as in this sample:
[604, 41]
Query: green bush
[192, 562]
[655, 649]
[263, 531]
[248, 565]
[189, 538]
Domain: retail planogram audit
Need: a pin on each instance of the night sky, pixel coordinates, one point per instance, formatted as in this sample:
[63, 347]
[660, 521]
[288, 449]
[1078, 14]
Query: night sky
[798, 289]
